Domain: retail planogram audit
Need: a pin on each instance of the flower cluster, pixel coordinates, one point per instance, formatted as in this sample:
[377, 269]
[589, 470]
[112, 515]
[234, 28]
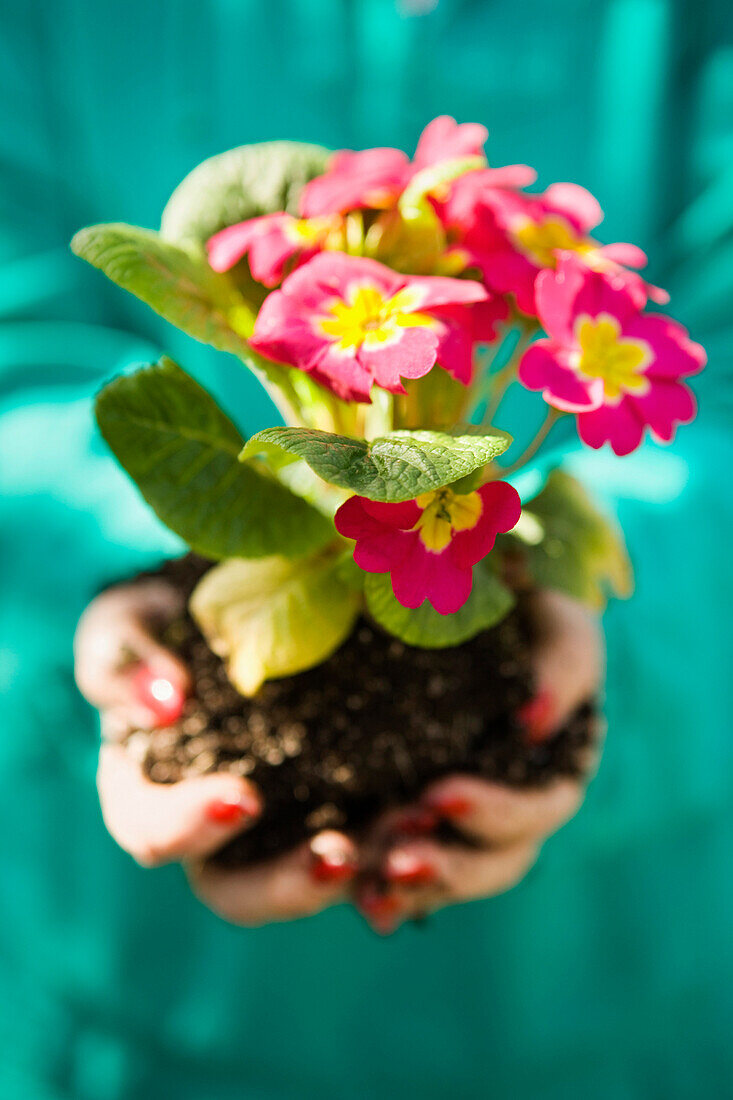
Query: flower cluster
[394, 268]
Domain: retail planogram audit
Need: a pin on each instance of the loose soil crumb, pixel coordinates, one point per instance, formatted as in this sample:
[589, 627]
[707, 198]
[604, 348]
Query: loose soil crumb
[365, 730]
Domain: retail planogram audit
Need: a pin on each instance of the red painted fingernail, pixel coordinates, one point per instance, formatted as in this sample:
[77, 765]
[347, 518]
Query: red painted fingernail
[159, 694]
[381, 909]
[332, 866]
[418, 822]
[408, 869]
[537, 716]
[225, 811]
[454, 805]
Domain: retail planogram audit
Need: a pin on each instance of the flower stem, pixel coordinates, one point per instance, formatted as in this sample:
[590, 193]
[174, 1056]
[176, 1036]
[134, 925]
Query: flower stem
[552, 416]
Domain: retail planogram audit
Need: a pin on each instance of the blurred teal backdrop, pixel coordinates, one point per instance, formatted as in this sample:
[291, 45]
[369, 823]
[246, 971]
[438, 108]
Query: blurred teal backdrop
[608, 973]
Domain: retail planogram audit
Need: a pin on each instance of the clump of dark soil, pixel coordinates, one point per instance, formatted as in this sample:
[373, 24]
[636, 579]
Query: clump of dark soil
[365, 730]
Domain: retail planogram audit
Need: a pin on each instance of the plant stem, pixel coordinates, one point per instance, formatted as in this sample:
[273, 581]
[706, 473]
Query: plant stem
[552, 416]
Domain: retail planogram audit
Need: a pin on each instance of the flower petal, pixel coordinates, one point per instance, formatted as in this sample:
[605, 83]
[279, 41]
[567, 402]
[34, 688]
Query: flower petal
[666, 405]
[380, 546]
[620, 425]
[424, 575]
[402, 514]
[445, 139]
[412, 355]
[501, 509]
[675, 354]
[441, 290]
[575, 202]
[284, 332]
[370, 178]
[227, 247]
[544, 366]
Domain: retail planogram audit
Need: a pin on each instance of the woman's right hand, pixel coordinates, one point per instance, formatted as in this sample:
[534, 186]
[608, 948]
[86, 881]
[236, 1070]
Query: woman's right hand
[136, 683]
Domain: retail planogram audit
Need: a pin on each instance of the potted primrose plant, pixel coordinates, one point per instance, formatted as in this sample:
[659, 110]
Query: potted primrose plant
[358, 580]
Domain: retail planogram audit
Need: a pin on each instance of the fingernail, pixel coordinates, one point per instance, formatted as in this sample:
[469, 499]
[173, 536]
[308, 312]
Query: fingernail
[234, 810]
[408, 869]
[450, 805]
[333, 866]
[537, 716]
[418, 822]
[380, 908]
[159, 694]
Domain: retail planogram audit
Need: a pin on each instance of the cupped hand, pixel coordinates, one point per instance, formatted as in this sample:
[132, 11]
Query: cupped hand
[137, 683]
[410, 873]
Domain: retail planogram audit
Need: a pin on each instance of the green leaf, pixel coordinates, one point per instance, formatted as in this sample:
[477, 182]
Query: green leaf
[176, 282]
[182, 451]
[274, 617]
[567, 544]
[394, 467]
[489, 602]
[240, 184]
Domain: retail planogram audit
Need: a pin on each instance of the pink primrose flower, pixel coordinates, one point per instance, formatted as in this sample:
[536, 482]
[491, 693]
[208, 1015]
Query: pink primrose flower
[372, 178]
[429, 545]
[269, 242]
[511, 236]
[352, 323]
[617, 368]
[375, 178]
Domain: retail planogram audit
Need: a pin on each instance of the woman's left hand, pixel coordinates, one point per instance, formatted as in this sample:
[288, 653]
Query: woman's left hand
[505, 827]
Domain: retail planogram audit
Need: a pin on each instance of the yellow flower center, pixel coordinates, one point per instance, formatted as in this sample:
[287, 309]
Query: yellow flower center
[540, 240]
[604, 353]
[367, 319]
[445, 513]
[310, 231]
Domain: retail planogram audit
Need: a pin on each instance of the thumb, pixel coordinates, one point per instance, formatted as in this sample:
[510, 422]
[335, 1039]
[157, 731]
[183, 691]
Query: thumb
[568, 663]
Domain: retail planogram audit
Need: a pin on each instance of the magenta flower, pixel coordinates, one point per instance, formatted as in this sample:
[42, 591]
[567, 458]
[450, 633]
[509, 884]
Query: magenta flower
[617, 368]
[429, 545]
[372, 178]
[352, 323]
[375, 178]
[270, 242]
[511, 236]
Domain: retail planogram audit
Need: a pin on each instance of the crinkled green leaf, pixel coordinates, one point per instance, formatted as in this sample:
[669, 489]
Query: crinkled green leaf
[182, 452]
[394, 467]
[489, 602]
[566, 543]
[274, 617]
[240, 184]
[175, 281]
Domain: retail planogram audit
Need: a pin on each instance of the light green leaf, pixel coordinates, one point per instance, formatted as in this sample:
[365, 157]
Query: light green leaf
[240, 184]
[567, 544]
[489, 602]
[182, 451]
[273, 617]
[394, 467]
[176, 282]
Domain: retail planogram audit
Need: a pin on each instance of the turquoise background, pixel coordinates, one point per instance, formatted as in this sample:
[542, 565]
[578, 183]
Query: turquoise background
[608, 972]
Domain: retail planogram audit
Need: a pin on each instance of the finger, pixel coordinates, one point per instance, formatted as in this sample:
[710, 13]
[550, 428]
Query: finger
[158, 823]
[568, 662]
[494, 814]
[294, 885]
[115, 636]
[452, 872]
[423, 875]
